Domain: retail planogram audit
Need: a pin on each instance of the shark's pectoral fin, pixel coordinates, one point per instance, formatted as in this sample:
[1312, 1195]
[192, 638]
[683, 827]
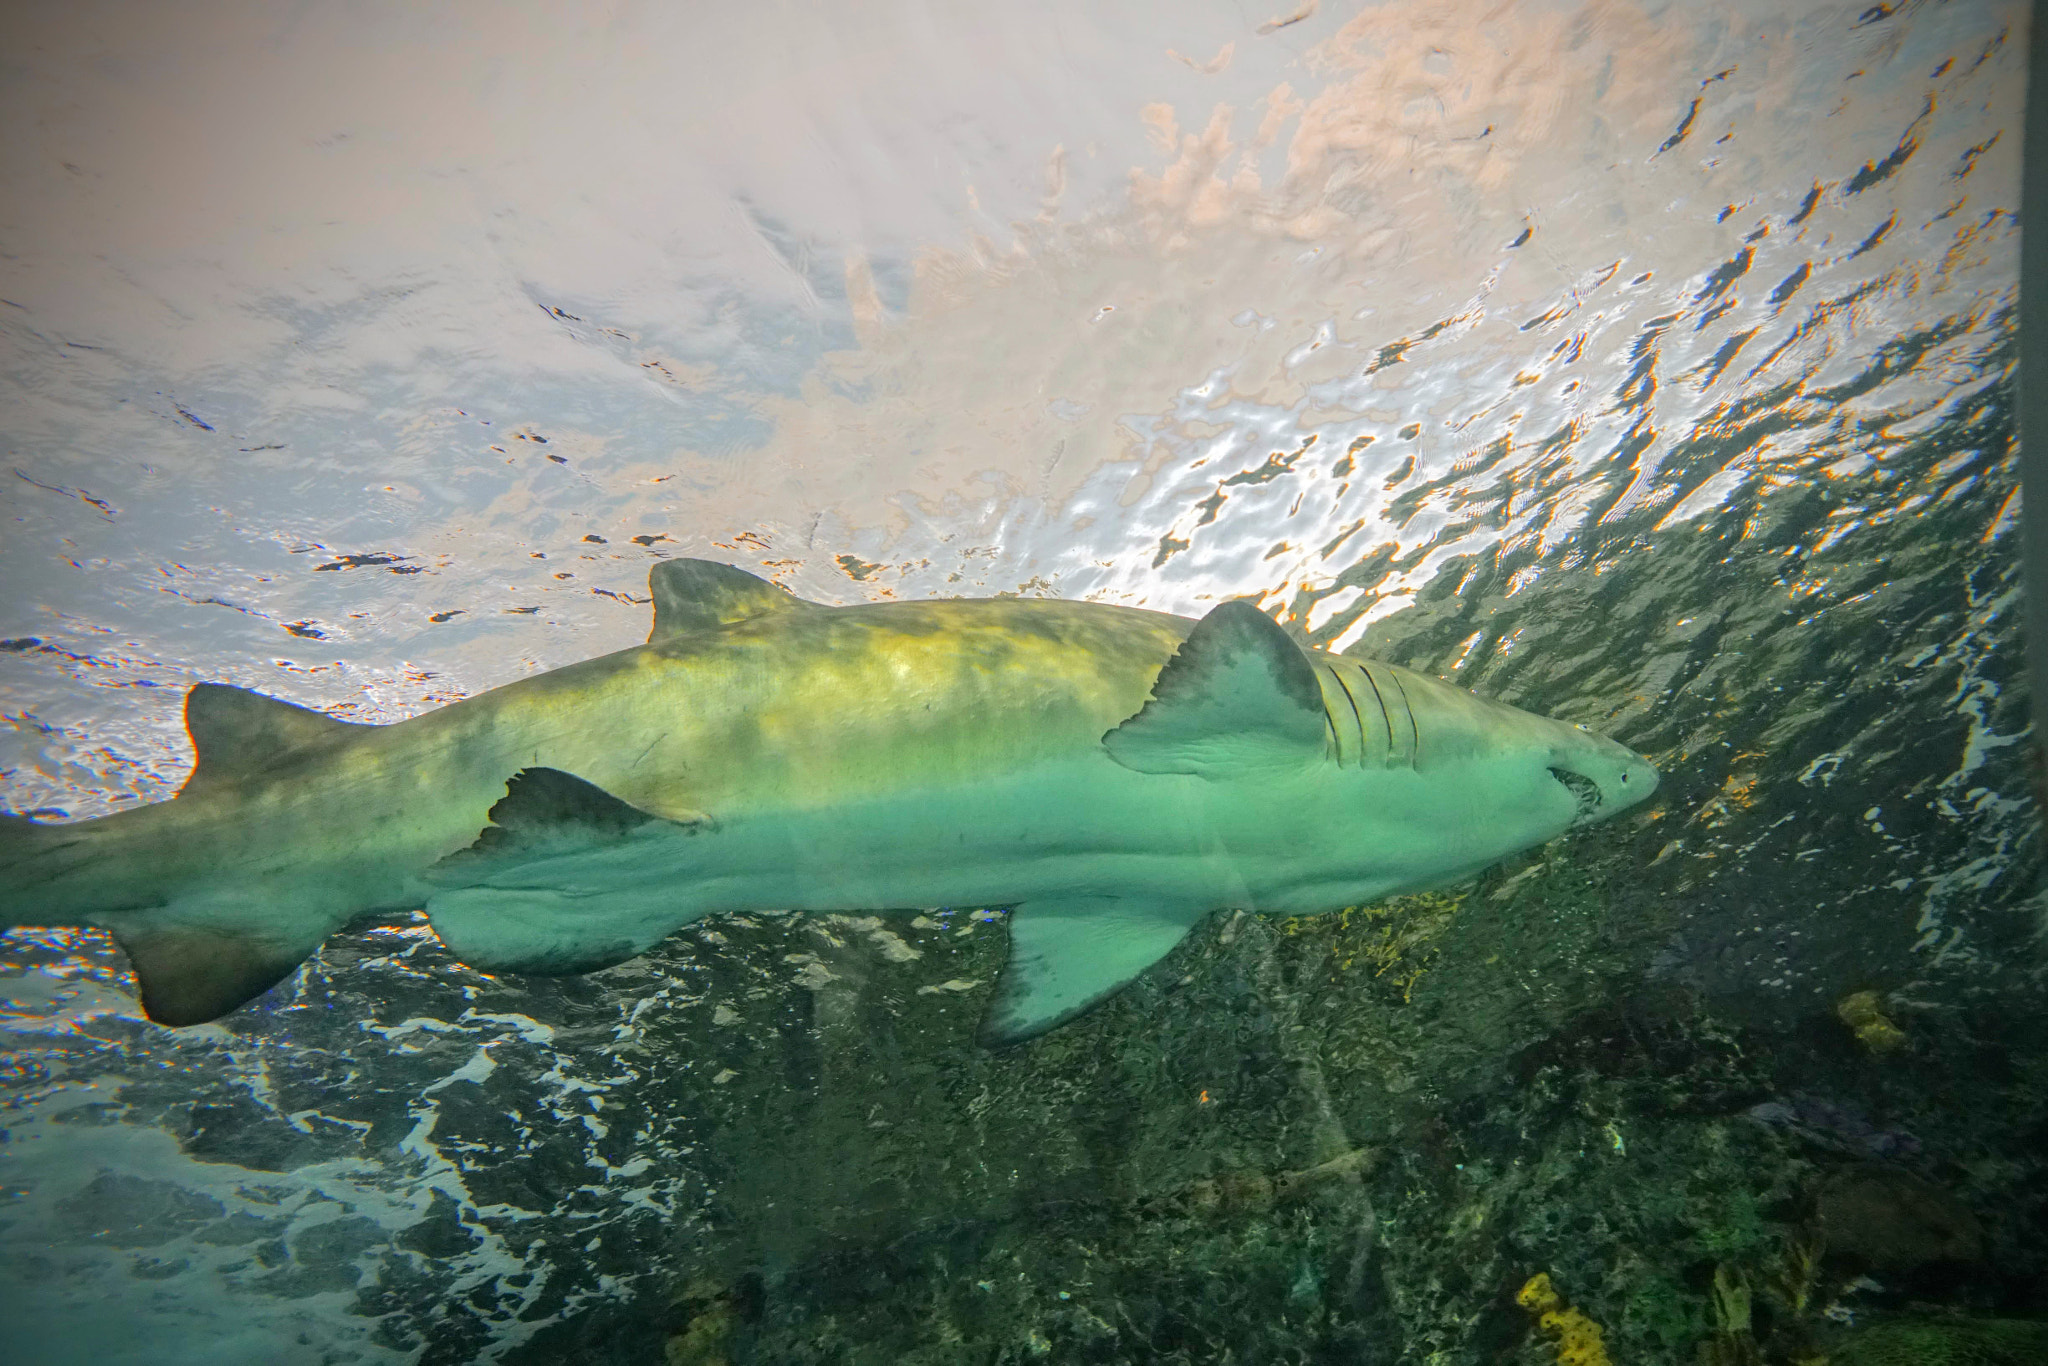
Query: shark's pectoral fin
[1238, 694]
[547, 814]
[190, 974]
[567, 878]
[1067, 957]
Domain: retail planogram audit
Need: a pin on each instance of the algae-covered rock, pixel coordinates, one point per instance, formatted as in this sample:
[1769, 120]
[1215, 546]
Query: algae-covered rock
[1946, 1342]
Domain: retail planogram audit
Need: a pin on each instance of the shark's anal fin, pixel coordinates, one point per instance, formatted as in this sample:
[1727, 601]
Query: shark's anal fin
[699, 595]
[190, 974]
[1067, 957]
[236, 732]
[1238, 694]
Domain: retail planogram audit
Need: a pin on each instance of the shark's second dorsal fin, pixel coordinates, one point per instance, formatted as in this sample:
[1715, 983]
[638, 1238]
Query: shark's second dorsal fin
[236, 732]
[1237, 694]
[699, 595]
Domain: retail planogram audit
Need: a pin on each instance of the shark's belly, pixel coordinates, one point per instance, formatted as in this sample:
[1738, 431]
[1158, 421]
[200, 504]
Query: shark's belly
[1056, 833]
[1054, 829]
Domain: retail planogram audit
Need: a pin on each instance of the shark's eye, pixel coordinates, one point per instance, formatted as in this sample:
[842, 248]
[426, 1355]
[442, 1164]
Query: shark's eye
[1624, 777]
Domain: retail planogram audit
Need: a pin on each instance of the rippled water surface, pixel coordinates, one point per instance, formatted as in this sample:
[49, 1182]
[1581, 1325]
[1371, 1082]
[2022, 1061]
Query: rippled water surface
[1646, 366]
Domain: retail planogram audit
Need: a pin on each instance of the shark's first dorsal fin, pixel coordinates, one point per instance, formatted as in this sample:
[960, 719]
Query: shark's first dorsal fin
[237, 732]
[1238, 693]
[698, 595]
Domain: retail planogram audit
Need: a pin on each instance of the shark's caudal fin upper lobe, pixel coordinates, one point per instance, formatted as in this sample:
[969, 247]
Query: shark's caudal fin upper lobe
[49, 872]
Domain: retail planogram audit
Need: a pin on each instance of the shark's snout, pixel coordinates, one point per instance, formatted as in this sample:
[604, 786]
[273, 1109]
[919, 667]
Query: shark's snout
[1604, 777]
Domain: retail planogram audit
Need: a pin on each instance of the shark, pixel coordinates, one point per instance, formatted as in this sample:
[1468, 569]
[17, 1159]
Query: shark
[1111, 775]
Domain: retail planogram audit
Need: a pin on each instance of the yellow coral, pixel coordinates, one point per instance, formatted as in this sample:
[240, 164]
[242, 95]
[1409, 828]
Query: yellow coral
[1575, 1338]
[1538, 1296]
[1578, 1339]
[1860, 1012]
[1406, 928]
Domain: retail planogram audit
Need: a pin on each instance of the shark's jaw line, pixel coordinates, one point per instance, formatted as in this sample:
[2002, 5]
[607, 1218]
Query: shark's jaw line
[1584, 791]
[1114, 775]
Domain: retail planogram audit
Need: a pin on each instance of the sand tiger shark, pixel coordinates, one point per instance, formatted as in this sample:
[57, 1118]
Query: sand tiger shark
[1112, 775]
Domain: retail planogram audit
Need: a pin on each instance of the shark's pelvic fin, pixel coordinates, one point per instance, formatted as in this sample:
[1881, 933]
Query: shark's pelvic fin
[545, 814]
[553, 933]
[549, 886]
[190, 974]
[1066, 957]
[1238, 693]
[236, 732]
[698, 595]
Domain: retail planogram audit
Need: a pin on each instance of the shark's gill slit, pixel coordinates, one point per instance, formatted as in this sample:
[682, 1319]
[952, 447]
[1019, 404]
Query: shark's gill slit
[1357, 721]
[1414, 730]
[1384, 716]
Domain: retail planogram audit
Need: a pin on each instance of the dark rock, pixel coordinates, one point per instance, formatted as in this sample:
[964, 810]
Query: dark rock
[441, 1233]
[238, 1130]
[133, 1211]
[237, 1230]
[1892, 1220]
[324, 1258]
[1946, 1342]
[152, 1269]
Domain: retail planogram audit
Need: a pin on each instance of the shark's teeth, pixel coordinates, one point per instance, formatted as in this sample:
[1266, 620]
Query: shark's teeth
[1584, 790]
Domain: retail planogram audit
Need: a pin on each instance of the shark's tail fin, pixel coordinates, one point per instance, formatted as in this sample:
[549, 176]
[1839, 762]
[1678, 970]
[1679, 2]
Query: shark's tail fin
[18, 841]
[193, 961]
[34, 858]
[197, 954]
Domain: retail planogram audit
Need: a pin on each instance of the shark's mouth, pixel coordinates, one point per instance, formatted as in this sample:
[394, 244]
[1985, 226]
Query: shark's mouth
[1584, 790]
